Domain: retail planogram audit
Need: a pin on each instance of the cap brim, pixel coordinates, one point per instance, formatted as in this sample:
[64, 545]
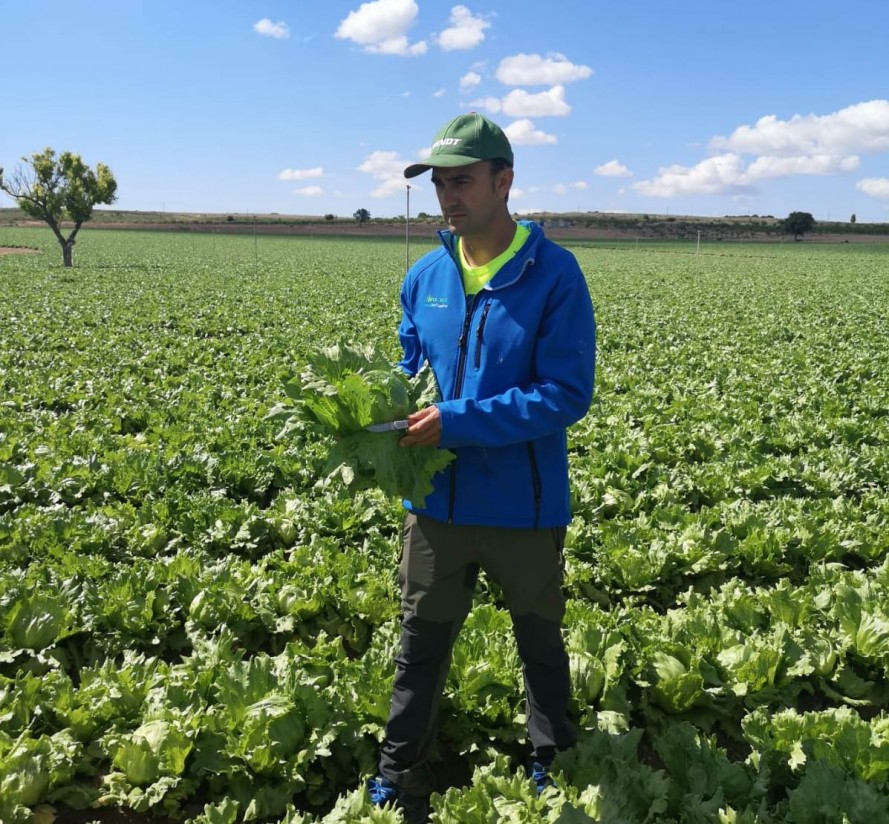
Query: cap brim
[416, 169]
[444, 162]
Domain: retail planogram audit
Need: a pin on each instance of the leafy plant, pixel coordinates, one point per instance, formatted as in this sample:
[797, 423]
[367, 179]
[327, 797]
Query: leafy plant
[189, 601]
[346, 387]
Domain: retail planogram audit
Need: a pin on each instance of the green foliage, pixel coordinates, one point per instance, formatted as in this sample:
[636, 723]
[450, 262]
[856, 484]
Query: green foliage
[57, 188]
[798, 223]
[839, 737]
[345, 388]
[826, 795]
[30, 768]
[186, 613]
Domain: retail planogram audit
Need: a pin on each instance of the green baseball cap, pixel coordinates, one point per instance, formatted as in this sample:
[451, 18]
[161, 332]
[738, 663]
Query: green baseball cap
[466, 139]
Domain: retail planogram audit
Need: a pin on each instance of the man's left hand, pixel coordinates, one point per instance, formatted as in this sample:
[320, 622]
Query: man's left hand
[424, 428]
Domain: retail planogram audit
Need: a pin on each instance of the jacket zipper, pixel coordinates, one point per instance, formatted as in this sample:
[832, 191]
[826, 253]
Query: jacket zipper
[462, 348]
[479, 335]
[535, 483]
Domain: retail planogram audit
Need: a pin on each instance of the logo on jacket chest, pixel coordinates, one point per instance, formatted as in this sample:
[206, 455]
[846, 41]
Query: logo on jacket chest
[433, 302]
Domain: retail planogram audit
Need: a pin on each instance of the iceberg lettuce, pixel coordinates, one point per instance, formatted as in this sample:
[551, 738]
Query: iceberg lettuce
[346, 387]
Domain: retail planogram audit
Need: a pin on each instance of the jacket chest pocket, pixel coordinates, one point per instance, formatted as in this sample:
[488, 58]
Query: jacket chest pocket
[499, 342]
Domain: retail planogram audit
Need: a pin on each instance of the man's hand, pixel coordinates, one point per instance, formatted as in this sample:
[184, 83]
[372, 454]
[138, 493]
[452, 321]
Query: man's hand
[424, 428]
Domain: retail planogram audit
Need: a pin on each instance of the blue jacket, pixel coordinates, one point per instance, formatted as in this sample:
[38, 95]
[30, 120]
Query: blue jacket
[515, 365]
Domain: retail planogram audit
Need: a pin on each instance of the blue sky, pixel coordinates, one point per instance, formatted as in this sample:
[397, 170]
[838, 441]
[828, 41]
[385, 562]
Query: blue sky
[301, 107]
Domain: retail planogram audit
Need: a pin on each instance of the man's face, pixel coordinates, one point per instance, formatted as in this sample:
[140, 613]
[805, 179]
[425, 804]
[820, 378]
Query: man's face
[471, 197]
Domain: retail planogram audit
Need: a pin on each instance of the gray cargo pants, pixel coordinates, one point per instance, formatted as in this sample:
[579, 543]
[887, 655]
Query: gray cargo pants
[438, 571]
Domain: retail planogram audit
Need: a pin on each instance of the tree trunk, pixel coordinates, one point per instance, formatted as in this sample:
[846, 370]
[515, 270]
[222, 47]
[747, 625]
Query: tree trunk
[68, 245]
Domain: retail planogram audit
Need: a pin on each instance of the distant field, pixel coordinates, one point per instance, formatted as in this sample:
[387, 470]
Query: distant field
[569, 225]
[193, 628]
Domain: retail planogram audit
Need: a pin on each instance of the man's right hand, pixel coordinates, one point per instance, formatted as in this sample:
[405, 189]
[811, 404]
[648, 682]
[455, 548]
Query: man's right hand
[424, 428]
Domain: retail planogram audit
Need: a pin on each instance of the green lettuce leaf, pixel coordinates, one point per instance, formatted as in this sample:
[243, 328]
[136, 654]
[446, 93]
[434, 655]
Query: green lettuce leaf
[30, 768]
[837, 736]
[346, 387]
[826, 795]
[159, 747]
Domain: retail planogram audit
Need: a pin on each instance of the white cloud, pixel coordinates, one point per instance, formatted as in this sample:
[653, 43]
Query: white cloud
[440, 93]
[613, 168]
[309, 191]
[301, 174]
[388, 169]
[563, 188]
[465, 31]
[381, 27]
[515, 193]
[534, 70]
[490, 104]
[727, 174]
[863, 127]
[519, 103]
[469, 80]
[769, 166]
[719, 174]
[874, 186]
[804, 145]
[267, 28]
[525, 133]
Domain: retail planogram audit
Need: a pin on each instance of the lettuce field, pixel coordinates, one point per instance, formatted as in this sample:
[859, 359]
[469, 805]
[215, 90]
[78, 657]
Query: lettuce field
[196, 625]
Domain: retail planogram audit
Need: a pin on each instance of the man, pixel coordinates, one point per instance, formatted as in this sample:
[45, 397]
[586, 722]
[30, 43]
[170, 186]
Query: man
[504, 318]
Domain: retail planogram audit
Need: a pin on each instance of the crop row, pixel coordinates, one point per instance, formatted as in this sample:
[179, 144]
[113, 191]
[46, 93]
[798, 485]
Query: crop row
[196, 624]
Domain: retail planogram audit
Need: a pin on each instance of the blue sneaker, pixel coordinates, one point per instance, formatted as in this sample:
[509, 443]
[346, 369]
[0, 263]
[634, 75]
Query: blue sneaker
[414, 809]
[539, 774]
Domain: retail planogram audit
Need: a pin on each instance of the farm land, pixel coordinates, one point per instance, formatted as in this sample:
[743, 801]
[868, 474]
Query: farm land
[563, 226]
[196, 627]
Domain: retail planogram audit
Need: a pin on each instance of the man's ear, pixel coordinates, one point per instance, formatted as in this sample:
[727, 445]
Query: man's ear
[504, 182]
